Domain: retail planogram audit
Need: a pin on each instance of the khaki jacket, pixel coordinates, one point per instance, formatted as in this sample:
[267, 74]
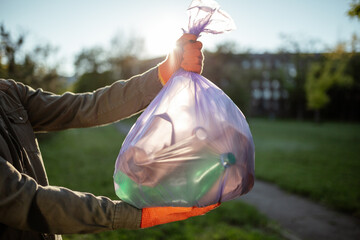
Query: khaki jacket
[29, 207]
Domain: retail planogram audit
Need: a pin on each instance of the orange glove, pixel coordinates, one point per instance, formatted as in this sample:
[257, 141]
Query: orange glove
[161, 215]
[187, 55]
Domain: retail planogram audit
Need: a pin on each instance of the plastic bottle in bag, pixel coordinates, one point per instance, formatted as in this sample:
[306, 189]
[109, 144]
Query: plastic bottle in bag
[199, 177]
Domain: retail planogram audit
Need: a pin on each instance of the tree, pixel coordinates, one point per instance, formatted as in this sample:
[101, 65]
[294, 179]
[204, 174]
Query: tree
[354, 11]
[90, 81]
[124, 55]
[92, 70]
[97, 67]
[9, 48]
[30, 68]
[90, 60]
[324, 75]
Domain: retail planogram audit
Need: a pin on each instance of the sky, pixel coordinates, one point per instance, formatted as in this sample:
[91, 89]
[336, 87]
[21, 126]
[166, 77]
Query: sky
[73, 25]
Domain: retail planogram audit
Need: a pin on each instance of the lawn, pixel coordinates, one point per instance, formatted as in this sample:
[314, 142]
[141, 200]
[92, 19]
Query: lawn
[83, 160]
[320, 161]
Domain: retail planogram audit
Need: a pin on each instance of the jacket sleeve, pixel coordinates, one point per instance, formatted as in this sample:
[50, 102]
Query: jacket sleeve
[26, 205]
[50, 112]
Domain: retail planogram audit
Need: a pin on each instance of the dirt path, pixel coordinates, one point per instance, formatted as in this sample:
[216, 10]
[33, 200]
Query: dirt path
[299, 217]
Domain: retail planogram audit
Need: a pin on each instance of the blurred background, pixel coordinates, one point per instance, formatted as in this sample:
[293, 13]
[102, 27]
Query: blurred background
[292, 67]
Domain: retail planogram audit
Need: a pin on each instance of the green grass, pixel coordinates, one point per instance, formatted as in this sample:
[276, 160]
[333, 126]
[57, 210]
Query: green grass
[84, 159]
[320, 161]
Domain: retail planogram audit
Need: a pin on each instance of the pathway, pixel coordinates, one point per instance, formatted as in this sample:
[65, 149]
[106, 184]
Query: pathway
[304, 218]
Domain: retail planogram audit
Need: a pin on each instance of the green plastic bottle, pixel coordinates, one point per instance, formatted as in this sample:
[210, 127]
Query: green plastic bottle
[183, 188]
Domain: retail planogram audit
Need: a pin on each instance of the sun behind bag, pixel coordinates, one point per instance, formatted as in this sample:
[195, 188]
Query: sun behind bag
[192, 145]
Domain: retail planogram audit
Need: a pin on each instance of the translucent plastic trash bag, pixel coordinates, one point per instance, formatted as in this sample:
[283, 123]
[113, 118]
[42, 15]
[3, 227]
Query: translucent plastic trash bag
[192, 145]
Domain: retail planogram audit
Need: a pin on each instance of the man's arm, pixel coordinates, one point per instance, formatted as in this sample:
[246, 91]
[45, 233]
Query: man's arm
[26, 205]
[50, 112]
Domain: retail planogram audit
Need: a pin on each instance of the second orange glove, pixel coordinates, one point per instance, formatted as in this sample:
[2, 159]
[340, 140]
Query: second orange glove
[161, 215]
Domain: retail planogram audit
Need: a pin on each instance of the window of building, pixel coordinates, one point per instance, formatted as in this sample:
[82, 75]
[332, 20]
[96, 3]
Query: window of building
[275, 84]
[258, 64]
[245, 64]
[292, 70]
[266, 84]
[267, 94]
[256, 93]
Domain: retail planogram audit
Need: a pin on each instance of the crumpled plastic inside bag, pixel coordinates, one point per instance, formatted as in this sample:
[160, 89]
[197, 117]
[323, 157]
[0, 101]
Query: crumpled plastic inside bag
[192, 145]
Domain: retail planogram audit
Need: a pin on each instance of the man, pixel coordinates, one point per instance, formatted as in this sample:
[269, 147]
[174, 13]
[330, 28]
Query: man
[29, 207]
